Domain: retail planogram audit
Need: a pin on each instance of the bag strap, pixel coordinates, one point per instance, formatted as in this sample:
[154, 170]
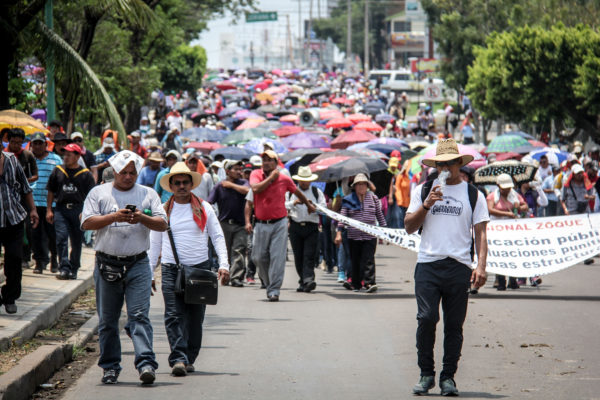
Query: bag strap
[315, 193]
[173, 248]
[573, 191]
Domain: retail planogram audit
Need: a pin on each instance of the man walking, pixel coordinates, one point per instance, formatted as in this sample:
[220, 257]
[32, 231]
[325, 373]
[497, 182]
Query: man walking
[230, 197]
[192, 222]
[43, 236]
[446, 212]
[270, 233]
[123, 213]
[13, 188]
[304, 229]
[68, 184]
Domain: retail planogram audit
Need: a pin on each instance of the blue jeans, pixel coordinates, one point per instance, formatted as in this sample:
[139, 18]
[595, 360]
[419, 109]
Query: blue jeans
[344, 260]
[183, 322]
[135, 290]
[66, 225]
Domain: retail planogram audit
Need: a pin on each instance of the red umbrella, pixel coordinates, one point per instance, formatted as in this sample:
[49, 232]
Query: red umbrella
[369, 126]
[285, 131]
[356, 118]
[339, 123]
[537, 143]
[204, 147]
[261, 85]
[351, 137]
[508, 156]
[226, 85]
[343, 101]
[324, 164]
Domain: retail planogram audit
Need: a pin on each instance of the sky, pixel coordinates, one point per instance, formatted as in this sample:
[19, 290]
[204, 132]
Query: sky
[242, 33]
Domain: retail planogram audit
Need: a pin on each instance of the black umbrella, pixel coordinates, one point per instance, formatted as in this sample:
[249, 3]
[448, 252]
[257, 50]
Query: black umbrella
[351, 167]
[267, 109]
[381, 180]
[338, 153]
[299, 153]
[374, 107]
[519, 171]
[321, 90]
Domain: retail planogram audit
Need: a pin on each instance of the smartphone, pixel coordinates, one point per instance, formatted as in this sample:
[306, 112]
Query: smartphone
[131, 207]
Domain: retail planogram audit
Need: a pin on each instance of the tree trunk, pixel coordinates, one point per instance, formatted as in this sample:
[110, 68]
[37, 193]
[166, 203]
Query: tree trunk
[8, 52]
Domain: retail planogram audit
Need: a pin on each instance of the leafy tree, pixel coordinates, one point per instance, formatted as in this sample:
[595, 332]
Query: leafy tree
[185, 68]
[533, 74]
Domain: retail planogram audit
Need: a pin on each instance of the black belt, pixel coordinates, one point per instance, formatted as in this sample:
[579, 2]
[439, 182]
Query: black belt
[268, 221]
[69, 206]
[232, 222]
[133, 258]
[306, 223]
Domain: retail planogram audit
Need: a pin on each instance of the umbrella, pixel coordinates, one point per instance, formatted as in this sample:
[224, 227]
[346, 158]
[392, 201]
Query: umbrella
[304, 140]
[245, 135]
[520, 172]
[39, 114]
[244, 114]
[372, 153]
[508, 156]
[232, 153]
[204, 134]
[336, 153]
[17, 119]
[555, 156]
[318, 91]
[339, 123]
[267, 109]
[250, 123]
[351, 167]
[328, 113]
[260, 85]
[226, 112]
[505, 143]
[225, 85]
[519, 133]
[204, 147]
[277, 72]
[325, 163]
[288, 130]
[390, 141]
[356, 118]
[300, 153]
[256, 145]
[537, 143]
[351, 137]
[289, 118]
[374, 107]
[270, 125]
[384, 117]
[369, 126]
[382, 148]
[264, 97]
[342, 100]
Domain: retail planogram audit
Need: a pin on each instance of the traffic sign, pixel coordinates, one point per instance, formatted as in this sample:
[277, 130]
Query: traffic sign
[261, 16]
[433, 92]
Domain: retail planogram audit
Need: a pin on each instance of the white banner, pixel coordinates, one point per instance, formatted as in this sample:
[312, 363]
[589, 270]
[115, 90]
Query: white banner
[516, 247]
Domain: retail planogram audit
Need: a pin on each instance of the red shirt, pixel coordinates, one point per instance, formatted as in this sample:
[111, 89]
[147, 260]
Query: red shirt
[270, 203]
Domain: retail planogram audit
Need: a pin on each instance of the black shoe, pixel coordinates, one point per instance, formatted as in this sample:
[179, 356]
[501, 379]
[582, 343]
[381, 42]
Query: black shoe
[190, 368]
[347, 285]
[179, 369]
[425, 383]
[11, 308]
[300, 288]
[273, 298]
[236, 283]
[448, 387]
[53, 266]
[589, 261]
[501, 288]
[310, 286]
[110, 376]
[37, 270]
[63, 275]
[147, 375]
[72, 276]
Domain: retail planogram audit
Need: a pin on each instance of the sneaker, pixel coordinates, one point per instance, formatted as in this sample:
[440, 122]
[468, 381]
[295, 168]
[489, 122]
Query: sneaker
[63, 275]
[37, 270]
[147, 375]
[535, 281]
[372, 288]
[110, 376]
[310, 286]
[425, 383]
[589, 261]
[347, 285]
[190, 368]
[521, 281]
[250, 281]
[179, 369]
[448, 387]
[273, 298]
[300, 289]
[341, 277]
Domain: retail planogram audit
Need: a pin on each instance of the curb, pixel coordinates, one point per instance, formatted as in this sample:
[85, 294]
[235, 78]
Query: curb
[36, 368]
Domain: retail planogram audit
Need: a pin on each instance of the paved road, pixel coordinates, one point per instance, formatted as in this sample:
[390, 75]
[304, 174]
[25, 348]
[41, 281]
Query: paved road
[335, 344]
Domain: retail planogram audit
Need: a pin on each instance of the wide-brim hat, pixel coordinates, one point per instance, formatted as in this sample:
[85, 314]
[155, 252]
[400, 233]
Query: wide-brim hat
[177, 169]
[155, 156]
[305, 174]
[360, 178]
[447, 150]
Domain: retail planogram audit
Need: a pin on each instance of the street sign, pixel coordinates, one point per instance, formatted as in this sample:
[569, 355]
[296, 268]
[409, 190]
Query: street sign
[433, 92]
[261, 16]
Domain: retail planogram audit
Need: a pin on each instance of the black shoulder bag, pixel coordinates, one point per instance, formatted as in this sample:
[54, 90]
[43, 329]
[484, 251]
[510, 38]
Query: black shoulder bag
[196, 284]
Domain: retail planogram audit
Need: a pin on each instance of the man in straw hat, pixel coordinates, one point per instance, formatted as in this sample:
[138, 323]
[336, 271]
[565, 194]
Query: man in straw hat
[192, 222]
[123, 213]
[270, 233]
[446, 214]
[304, 228]
[149, 173]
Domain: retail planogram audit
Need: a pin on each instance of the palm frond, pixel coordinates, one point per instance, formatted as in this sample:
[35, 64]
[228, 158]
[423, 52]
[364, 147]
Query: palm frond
[134, 12]
[69, 63]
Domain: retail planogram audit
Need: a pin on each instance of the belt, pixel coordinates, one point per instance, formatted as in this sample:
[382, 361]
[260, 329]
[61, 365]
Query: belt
[133, 258]
[305, 223]
[268, 221]
[232, 222]
[69, 206]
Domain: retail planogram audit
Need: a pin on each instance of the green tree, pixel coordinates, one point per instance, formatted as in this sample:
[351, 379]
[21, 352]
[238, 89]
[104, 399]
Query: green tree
[533, 74]
[184, 68]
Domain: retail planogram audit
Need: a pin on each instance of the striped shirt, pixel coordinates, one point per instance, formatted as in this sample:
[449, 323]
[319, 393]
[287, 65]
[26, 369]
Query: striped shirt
[13, 186]
[45, 167]
[369, 213]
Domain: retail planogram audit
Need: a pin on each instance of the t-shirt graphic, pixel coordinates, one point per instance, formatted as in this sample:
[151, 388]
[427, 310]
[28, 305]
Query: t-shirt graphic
[449, 206]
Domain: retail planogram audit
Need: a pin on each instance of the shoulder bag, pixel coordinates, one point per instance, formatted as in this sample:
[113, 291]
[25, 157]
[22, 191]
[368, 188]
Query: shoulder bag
[196, 284]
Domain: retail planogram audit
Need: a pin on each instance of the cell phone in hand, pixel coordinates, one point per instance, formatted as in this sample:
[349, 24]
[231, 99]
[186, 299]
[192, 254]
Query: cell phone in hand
[131, 207]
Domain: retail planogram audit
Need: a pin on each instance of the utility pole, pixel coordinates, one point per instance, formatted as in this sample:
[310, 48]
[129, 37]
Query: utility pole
[349, 32]
[309, 33]
[50, 91]
[300, 30]
[366, 56]
[265, 48]
[289, 40]
[252, 54]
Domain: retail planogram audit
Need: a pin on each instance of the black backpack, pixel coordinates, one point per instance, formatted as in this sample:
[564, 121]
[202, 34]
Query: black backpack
[473, 193]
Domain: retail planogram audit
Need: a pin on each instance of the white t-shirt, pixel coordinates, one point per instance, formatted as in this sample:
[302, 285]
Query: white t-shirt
[447, 226]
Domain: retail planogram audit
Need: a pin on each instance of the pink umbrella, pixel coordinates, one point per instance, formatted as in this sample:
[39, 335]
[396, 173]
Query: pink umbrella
[250, 123]
[288, 130]
[326, 113]
[351, 137]
[289, 118]
[339, 123]
[324, 164]
[277, 72]
[204, 147]
[356, 118]
[273, 90]
[369, 126]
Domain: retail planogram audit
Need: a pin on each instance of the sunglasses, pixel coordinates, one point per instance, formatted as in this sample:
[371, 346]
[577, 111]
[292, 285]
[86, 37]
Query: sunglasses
[78, 140]
[446, 163]
[182, 183]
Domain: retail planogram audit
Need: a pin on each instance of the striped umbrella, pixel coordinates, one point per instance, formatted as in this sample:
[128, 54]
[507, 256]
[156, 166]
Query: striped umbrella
[505, 143]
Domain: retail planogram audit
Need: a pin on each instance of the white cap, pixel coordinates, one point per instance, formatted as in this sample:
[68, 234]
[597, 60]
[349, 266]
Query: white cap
[576, 168]
[76, 135]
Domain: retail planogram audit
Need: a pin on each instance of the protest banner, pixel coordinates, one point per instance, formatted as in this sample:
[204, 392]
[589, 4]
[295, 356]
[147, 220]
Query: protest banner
[516, 247]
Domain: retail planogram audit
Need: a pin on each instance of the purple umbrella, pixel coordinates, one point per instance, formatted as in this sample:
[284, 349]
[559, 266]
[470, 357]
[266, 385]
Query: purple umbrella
[304, 140]
[39, 114]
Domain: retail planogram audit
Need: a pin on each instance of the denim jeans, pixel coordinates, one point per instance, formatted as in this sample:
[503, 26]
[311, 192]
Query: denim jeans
[344, 261]
[66, 224]
[327, 246]
[183, 322]
[135, 290]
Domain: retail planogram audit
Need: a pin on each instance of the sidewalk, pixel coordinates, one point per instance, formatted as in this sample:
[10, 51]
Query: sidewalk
[42, 301]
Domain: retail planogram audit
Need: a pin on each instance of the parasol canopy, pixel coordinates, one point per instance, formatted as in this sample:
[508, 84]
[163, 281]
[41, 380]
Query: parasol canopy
[519, 171]
[351, 137]
[17, 119]
[505, 143]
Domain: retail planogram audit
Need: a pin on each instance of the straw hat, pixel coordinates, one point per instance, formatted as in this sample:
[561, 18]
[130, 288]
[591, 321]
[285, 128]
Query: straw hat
[155, 156]
[180, 168]
[305, 175]
[360, 178]
[447, 150]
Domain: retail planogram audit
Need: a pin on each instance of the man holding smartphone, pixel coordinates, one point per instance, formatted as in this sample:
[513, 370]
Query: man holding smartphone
[123, 213]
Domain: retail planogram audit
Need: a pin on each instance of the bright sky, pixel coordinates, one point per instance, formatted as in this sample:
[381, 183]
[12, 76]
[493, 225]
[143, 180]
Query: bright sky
[245, 32]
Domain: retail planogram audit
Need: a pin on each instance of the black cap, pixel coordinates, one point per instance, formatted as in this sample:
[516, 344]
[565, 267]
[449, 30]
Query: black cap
[37, 137]
[61, 136]
[55, 122]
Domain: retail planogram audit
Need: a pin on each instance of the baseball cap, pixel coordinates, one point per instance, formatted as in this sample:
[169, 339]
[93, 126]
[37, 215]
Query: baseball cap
[256, 161]
[504, 181]
[270, 154]
[76, 135]
[228, 164]
[135, 134]
[576, 168]
[38, 137]
[74, 148]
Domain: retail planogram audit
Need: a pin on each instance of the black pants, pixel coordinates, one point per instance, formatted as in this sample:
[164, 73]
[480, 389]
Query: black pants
[43, 239]
[11, 237]
[362, 254]
[305, 241]
[446, 280]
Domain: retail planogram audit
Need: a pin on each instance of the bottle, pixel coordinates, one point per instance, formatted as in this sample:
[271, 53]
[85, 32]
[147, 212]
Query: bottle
[148, 212]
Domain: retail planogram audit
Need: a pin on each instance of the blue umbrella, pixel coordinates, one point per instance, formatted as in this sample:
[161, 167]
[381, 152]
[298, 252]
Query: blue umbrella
[384, 117]
[229, 111]
[204, 134]
[304, 140]
[256, 145]
[232, 153]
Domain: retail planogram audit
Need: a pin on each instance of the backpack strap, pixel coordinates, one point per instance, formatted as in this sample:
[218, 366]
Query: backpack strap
[473, 193]
[61, 169]
[315, 193]
[81, 172]
[425, 189]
